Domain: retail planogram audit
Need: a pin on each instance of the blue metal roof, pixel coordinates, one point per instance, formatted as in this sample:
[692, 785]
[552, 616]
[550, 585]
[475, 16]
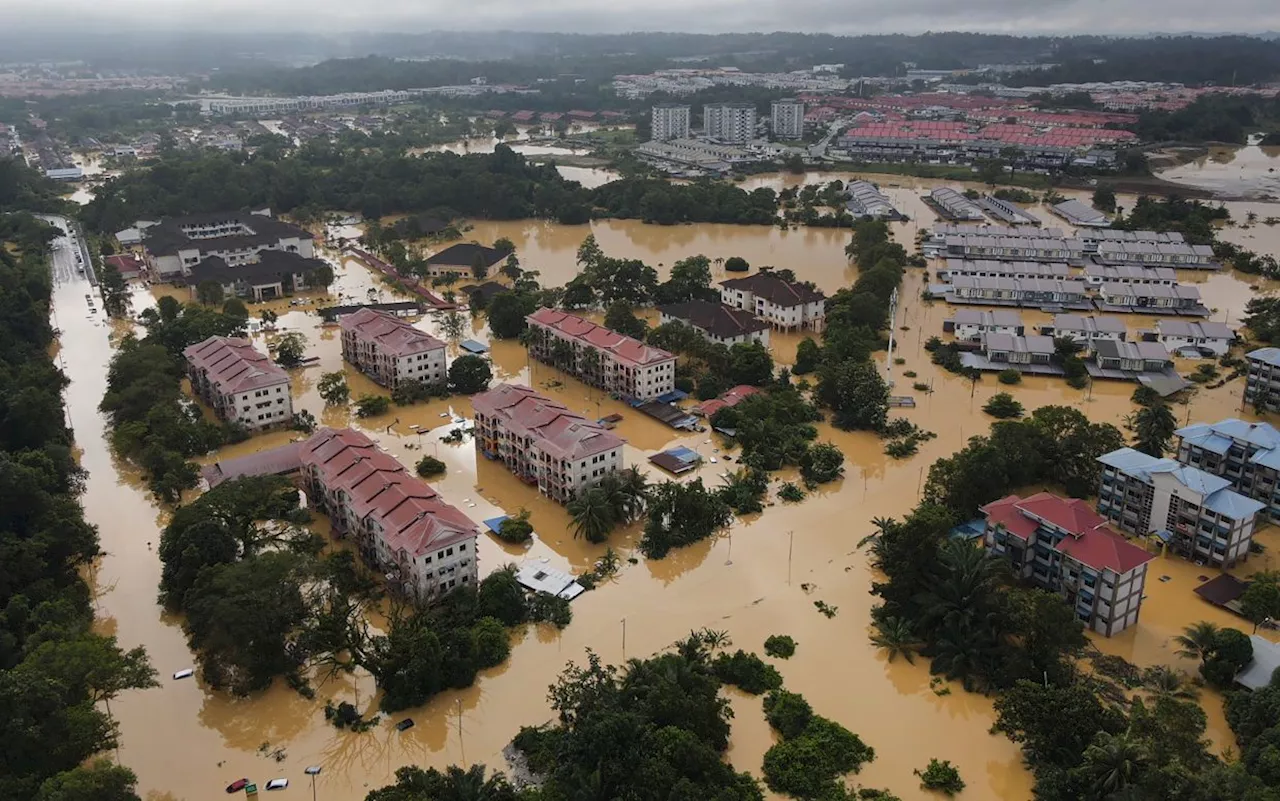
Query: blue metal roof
[1269, 356]
[471, 346]
[1218, 437]
[1229, 503]
[494, 524]
[1212, 489]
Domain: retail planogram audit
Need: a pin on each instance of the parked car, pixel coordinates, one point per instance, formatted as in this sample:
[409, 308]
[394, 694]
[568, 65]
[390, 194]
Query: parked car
[237, 785]
[277, 784]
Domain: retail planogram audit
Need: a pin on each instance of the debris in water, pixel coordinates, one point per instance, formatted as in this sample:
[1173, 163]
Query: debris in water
[826, 608]
[185, 673]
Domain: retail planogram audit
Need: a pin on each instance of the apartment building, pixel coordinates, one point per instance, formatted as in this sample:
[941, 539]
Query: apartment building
[177, 247]
[1065, 547]
[717, 322]
[1262, 385]
[1205, 336]
[972, 324]
[1196, 513]
[242, 385]
[783, 304]
[1087, 330]
[601, 357]
[542, 442]
[390, 350]
[1246, 454]
[786, 118]
[730, 123]
[401, 526]
[669, 121]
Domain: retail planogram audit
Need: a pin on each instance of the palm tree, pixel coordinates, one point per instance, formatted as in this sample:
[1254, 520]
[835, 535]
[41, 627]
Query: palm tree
[1164, 682]
[895, 636]
[1197, 641]
[714, 639]
[634, 488]
[592, 515]
[1114, 762]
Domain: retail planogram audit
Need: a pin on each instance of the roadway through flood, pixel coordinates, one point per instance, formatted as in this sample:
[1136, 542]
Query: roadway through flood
[761, 578]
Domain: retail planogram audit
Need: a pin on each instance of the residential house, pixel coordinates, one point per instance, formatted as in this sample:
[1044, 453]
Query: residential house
[601, 357]
[542, 442]
[783, 304]
[1086, 330]
[972, 324]
[716, 322]
[1246, 454]
[1137, 357]
[1018, 350]
[1063, 546]
[390, 350]
[402, 527]
[1262, 384]
[242, 385]
[463, 259]
[1197, 513]
[1205, 336]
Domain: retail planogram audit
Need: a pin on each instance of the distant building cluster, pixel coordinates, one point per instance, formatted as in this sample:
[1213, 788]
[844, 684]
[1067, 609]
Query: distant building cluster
[690, 80]
[276, 106]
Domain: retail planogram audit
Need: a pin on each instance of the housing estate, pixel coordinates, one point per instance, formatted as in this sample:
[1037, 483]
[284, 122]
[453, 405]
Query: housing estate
[463, 259]
[1246, 454]
[987, 268]
[542, 442]
[390, 350]
[1080, 214]
[971, 324]
[401, 526]
[1086, 329]
[717, 322]
[1204, 336]
[176, 247]
[1065, 547]
[783, 304]
[241, 384]
[620, 364]
[1262, 384]
[1196, 513]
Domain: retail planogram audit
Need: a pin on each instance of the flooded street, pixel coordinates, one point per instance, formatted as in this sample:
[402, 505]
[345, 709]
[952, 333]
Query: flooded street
[760, 578]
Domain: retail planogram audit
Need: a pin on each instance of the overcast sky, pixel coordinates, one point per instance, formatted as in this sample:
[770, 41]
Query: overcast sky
[710, 16]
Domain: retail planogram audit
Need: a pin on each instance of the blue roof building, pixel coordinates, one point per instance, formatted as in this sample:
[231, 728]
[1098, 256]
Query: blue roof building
[1246, 454]
[1262, 383]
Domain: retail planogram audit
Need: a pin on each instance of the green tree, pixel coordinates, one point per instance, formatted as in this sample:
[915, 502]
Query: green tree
[895, 637]
[1114, 763]
[681, 514]
[822, 463]
[736, 264]
[504, 245]
[1002, 406]
[856, 394]
[1104, 199]
[808, 357]
[372, 405]
[787, 712]
[492, 642]
[290, 348]
[1261, 598]
[592, 515]
[115, 291]
[97, 781]
[942, 776]
[1197, 641]
[452, 325]
[333, 388]
[209, 293]
[235, 309]
[507, 312]
[621, 318]
[1152, 427]
[750, 363]
[429, 466]
[321, 276]
[469, 374]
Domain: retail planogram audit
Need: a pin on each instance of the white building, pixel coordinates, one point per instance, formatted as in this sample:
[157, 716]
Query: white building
[787, 118]
[972, 324]
[1087, 330]
[242, 385]
[601, 357]
[717, 322]
[669, 121]
[783, 304]
[731, 123]
[390, 350]
[1206, 335]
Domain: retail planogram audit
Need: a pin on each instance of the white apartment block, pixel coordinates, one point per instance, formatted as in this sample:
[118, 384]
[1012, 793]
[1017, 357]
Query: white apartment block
[402, 527]
[242, 385]
[176, 245]
[787, 118]
[542, 442]
[783, 304]
[390, 350]
[669, 121]
[730, 123]
[619, 364]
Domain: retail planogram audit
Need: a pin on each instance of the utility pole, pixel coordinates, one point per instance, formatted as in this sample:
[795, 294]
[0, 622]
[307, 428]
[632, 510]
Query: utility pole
[791, 544]
[462, 743]
[624, 638]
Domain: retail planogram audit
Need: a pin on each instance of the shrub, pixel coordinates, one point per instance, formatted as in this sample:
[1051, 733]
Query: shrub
[1002, 406]
[372, 405]
[780, 646]
[808, 765]
[920, 386]
[747, 672]
[429, 466]
[516, 528]
[908, 373]
[941, 776]
[1010, 376]
[822, 463]
[736, 264]
[790, 493]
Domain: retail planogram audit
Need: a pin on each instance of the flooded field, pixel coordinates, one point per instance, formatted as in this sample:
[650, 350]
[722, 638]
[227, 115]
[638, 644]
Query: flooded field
[761, 578]
[1249, 172]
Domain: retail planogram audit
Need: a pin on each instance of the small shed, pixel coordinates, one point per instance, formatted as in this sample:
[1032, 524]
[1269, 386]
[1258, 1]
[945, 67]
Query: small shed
[471, 346]
[537, 577]
[676, 460]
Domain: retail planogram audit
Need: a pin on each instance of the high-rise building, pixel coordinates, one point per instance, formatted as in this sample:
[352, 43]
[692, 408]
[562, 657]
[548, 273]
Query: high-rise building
[731, 123]
[787, 116]
[669, 121]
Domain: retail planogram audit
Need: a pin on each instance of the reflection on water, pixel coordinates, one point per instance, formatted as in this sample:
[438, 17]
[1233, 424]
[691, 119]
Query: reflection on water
[1250, 172]
[188, 741]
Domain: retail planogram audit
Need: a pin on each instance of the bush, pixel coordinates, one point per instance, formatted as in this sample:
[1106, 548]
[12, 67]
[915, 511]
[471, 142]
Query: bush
[747, 672]
[908, 373]
[517, 528]
[469, 374]
[1010, 376]
[736, 264]
[822, 463]
[372, 405]
[780, 646]
[1002, 406]
[808, 765]
[920, 387]
[429, 466]
[490, 642]
[790, 493]
[787, 712]
[941, 776]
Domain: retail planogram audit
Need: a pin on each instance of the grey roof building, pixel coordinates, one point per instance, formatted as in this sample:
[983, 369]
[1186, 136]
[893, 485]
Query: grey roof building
[1080, 214]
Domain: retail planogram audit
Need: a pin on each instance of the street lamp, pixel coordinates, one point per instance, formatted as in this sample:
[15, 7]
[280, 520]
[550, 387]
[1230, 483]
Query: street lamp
[313, 771]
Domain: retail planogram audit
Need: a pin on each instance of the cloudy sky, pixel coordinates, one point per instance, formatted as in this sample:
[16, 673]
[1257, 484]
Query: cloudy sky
[710, 16]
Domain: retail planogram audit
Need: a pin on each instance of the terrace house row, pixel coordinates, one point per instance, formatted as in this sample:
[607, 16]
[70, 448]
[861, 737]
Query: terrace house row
[972, 324]
[1102, 274]
[599, 356]
[1246, 454]
[1162, 298]
[242, 385]
[1195, 512]
[1204, 336]
[1180, 255]
[1016, 292]
[985, 268]
[1085, 329]
[401, 526]
[1063, 546]
[1013, 248]
[390, 350]
[543, 442]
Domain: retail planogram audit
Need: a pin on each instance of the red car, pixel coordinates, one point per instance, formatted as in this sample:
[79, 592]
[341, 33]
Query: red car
[237, 785]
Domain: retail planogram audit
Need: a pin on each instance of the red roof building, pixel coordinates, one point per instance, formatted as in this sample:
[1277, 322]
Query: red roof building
[730, 398]
[401, 525]
[619, 364]
[241, 384]
[390, 350]
[128, 265]
[1064, 545]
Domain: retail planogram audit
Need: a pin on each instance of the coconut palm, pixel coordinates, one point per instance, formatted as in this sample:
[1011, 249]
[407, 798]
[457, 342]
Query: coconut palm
[593, 516]
[895, 636]
[715, 639]
[634, 488]
[1164, 682]
[1197, 641]
[1114, 762]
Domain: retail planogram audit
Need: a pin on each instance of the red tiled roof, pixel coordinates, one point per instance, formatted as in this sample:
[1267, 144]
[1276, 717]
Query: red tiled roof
[233, 365]
[127, 264]
[563, 433]
[1004, 512]
[1103, 548]
[1090, 540]
[393, 335]
[624, 348]
[1072, 515]
[731, 398]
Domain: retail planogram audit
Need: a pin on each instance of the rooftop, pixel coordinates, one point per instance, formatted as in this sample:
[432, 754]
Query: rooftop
[465, 255]
[1091, 542]
[255, 230]
[1260, 440]
[775, 290]
[1076, 322]
[393, 335]
[1269, 356]
[624, 348]
[559, 431]
[233, 365]
[716, 319]
[270, 265]
[1080, 213]
[1194, 330]
[1146, 351]
[1215, 492]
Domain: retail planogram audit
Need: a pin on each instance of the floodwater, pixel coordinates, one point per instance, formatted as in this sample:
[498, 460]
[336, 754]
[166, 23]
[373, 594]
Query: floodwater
[761, 578]
[1251, 172]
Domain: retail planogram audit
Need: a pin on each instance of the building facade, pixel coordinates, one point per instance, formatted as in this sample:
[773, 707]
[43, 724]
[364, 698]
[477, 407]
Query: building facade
[972, 324]
[786, 118]
[783, 304]
[731, 123]
[1206, 336]
[669, 121]
[1195, 512]
[1246, 454]
[601, 357]
[1262, 384]
[390, 350]
[175, 246]
[401, 526]
[542, 442]
[717, 322]
[1087, 330]
[1063, 546]
[242, 385]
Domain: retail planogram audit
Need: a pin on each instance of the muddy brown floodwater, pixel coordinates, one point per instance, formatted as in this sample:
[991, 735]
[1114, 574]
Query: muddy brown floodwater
[761, 578]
